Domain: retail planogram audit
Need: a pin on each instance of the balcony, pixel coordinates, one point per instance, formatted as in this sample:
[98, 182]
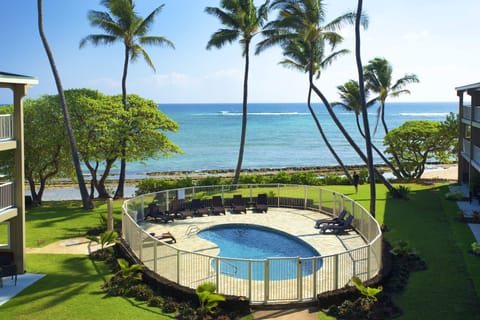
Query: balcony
[6, 127]
[467, 115]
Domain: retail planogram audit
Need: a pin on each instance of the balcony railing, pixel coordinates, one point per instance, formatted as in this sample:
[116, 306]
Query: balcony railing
[466, 112]
[6, 126]
[466, 147]
[6, 196]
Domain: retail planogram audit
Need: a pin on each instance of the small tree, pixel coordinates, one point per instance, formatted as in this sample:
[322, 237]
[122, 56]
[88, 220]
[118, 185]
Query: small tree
[416, 142]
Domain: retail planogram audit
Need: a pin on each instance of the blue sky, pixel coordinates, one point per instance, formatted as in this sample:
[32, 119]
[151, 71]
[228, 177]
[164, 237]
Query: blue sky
[434, 39]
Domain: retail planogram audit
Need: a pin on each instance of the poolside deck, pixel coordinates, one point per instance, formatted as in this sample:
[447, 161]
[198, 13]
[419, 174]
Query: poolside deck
[299, 223]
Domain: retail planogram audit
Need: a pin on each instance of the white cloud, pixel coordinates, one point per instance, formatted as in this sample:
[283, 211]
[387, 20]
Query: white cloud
[107, 84]
[173, 79]
[231, 73]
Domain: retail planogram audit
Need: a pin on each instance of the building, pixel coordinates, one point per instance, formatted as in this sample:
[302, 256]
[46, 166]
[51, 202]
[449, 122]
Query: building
[469, 136]
[12, 194]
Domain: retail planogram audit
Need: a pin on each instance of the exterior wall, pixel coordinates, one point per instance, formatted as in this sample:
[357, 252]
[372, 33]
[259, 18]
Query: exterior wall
[16, 216]
[469, 135]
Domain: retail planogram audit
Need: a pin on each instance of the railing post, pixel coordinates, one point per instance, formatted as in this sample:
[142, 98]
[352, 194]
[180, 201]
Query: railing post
[315, 277]
[334, 209]
[155, 247]
[320, 199]
[217, 275]
[299, 279]
[266, 280]
[335, 272]
[278, 193]
[368, 261]
[305, 197]
[178, 267]
[250, 279]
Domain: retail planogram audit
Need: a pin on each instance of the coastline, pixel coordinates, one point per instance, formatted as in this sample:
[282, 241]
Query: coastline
[66, 190]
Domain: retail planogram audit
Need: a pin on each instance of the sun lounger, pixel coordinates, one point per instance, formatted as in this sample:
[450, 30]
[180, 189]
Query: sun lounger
[262, 203]
[153, 211]
[335, 220]
[337, 228]
[238, 204]
[198, 208]
[176, 208]
[217, 206]
[165, 236]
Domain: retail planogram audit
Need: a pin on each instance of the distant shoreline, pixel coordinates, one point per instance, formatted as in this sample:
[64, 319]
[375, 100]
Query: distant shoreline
[229, 173]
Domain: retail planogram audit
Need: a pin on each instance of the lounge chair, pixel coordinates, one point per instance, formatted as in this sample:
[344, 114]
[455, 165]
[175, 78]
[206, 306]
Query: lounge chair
[217, 206]
[176, 208]
[262, 203]
[339, 227]
[7, 267]
[165, 236]
[335, 220]
[198, 208]
[154, 212]
[238, 205]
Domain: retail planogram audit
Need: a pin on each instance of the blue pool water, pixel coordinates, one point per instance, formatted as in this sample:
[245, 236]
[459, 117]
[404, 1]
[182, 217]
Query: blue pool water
[247, 241]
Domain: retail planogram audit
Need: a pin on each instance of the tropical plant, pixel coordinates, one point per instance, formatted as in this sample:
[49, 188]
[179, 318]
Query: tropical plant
[402, 248]
[208, 298]
[242, 21]
[105, 239]
[87, 202]
[378, 76]
[351, 100]
[475, 246]
[122, 24]
[128, 271]
[369, 292]
[301, 23]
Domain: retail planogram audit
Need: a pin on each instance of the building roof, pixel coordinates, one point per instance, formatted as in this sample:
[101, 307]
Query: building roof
[17, 78]
[470, 87]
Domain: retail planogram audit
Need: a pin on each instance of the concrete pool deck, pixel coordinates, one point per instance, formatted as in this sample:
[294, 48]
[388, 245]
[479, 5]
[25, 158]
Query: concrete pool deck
[299, 223]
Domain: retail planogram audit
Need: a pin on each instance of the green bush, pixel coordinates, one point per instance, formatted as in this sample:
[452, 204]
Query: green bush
[155, 301]
[169, 306]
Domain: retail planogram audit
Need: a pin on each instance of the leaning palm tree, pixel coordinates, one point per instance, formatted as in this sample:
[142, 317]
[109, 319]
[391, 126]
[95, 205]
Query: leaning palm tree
[351, 100]
[122, 24]
[242, 21]
[297, 56]
[304, 20]
[378, 76]
[86, 201]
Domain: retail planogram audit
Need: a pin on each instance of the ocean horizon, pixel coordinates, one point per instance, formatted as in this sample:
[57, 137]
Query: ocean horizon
[279, 135]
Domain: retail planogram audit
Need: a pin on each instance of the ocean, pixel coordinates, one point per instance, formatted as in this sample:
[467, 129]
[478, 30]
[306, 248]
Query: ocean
[279, 135]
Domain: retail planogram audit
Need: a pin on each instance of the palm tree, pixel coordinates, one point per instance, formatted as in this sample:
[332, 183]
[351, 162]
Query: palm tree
[378, 76]
[301, 20]
[86, 201]
[122, 24]
[350, 100]
[298, 57]
[242, 21]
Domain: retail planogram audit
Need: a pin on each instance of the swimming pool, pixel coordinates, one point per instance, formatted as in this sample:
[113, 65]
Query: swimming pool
[248, 241]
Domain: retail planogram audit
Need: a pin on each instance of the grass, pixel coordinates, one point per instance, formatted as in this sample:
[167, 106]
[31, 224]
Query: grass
[448, 289]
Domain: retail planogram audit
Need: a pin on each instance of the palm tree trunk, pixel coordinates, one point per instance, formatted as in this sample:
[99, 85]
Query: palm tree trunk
[352, 143]
[123, 162]
[322, 133]
[366, 125]
[87, 203]
[244, 115]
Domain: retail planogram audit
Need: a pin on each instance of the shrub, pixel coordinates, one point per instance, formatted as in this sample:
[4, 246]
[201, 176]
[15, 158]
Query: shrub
[169, 306]
[155, 301]
[141, 292]
[185, 312]
[475, 246]
[208, 298]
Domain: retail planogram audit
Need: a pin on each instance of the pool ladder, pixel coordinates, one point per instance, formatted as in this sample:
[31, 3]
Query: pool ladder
[229, 265]
[191, 230]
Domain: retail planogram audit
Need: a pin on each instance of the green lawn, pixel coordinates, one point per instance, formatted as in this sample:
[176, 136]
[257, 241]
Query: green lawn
[449, 289]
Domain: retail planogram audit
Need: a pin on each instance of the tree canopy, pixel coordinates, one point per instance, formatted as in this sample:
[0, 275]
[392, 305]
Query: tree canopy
[416, 142]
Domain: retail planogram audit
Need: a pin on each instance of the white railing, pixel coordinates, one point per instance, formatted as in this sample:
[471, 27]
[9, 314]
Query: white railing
[6, 126]
[256, 279]
[6, 196]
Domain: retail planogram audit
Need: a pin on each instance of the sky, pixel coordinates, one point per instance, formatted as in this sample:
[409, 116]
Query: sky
[434, 39]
